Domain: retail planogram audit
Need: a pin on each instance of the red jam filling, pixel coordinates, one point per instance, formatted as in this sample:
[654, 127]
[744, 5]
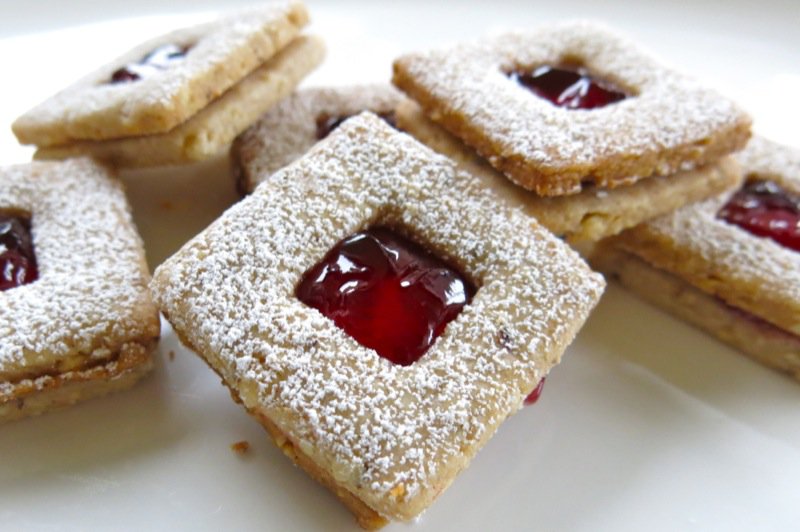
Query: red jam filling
[764, 208]
[17, 259]
[536, 393]
[568, 88]
[159, 59]
[387, 292]
[327, 123]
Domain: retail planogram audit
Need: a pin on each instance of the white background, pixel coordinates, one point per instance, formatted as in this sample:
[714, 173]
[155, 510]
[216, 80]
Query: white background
[647, 423]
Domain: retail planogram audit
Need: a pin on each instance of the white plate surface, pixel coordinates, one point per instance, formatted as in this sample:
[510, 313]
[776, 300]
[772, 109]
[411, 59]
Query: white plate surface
[646, 425]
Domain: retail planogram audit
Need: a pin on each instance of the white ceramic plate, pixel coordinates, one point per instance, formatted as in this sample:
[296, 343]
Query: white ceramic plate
[647, 424]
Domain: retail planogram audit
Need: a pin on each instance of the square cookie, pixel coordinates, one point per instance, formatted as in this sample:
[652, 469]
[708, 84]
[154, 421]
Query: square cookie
[489, 94]
[290, 128]
[386, 438]
[592, 214]
[76, 316]
[210, 131]
[711, 255]
[208, 60]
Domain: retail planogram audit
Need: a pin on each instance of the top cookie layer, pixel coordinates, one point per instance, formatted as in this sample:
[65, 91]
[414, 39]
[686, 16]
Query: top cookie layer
[219, 55]
[395, 436]
[669, 122]
[749, 272]
[593, 214]
[91, 296]
[289, 129]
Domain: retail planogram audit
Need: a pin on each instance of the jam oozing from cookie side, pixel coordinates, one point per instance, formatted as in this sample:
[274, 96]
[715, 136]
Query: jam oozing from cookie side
[17, 258]
[327, 123]
[570, 88]
[387, 292]
[159, 59]
[536, 393]
[764, 208]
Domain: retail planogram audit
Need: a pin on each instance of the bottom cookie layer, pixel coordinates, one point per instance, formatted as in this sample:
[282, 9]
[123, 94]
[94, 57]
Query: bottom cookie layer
[750, 334]
[212, 129]
[366, 517]
[32, 397]
[592, 214]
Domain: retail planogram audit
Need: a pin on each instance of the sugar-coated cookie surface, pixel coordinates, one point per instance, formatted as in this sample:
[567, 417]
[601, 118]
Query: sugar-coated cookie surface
[594, 213]
[669, 122]
[392, 436]
[89, 315]
[749, 272]
[289, 129]
[212, 129]
[220, 54]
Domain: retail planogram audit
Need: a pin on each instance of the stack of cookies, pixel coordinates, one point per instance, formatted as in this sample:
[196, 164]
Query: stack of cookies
[577, 126]
[180, 97]
[729, 265]
[76, 316]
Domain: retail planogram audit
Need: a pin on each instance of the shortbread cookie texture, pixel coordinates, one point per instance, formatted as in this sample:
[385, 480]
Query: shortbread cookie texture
[386, 438]
[82, 322]
[290, 128]
[594, 213]
[484, 94]
[756, 274]
[211, 130]
[206, 62]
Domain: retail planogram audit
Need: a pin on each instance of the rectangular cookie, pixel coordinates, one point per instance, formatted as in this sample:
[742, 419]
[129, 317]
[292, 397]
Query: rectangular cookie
[569, 105]
[740, 249]
[217, 56]
[386, 437]
[592, 214]
[76, 316]
[212, 129]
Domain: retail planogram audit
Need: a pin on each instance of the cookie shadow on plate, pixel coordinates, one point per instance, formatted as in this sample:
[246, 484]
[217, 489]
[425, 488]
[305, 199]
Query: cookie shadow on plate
[171, 204]
[86, 438]
[684, 357]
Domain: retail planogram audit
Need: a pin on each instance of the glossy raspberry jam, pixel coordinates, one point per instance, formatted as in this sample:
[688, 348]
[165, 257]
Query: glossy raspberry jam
[159, 59]
[17, 259]
[568, 88]
[327, 123]
[387, 292]
[536, 393]
[764, 208]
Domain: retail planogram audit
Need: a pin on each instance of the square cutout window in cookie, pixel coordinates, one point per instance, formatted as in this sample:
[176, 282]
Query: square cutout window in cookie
[76, 316]
[160, 58]
[666, 123]
[387, 437]
[570, 86]
[764, 208]
[165, 81]
[17, 254]
[387, 292]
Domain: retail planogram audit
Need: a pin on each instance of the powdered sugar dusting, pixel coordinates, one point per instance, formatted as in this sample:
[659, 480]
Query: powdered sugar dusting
[669, 123]
[394, 436]
[91, 296]
[221, 53]
[289, 129]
